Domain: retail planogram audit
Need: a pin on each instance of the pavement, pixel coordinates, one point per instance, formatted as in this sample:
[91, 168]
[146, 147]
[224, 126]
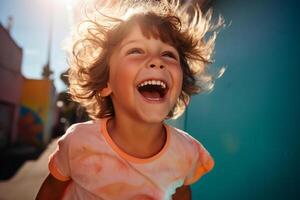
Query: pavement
[26, 182]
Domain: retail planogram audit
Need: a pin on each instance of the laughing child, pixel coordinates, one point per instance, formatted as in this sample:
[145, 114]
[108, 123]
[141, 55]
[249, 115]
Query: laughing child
[134, 65]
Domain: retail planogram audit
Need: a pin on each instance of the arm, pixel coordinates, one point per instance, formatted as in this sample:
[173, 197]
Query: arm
[52, 188]
[183, 193]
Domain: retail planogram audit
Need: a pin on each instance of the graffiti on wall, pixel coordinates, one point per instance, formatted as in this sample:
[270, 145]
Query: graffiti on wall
[34, 111]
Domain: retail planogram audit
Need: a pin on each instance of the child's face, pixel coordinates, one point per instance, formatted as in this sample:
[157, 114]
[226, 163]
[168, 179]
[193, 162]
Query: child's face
[145, 78]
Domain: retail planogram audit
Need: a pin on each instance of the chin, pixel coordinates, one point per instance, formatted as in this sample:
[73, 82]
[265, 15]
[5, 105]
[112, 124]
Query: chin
[154, 117]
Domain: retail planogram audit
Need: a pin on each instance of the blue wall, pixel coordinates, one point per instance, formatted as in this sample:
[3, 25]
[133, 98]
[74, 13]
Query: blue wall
[250, 123]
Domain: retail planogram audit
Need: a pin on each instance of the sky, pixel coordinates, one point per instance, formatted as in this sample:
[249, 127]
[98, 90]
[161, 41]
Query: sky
[30, 30]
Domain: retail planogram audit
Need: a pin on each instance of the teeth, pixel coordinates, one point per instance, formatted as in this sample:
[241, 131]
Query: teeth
[153, 82]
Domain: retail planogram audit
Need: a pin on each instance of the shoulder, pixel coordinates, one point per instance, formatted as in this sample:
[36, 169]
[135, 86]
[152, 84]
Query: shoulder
[198, 158]
[192, 147]
[183, 138]
[84, 127]
[80, 132]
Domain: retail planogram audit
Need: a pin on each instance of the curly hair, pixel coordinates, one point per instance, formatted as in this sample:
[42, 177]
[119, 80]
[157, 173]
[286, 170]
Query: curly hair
[182, 26]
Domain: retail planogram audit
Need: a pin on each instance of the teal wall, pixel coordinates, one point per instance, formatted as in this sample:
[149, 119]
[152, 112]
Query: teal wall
[250, 123]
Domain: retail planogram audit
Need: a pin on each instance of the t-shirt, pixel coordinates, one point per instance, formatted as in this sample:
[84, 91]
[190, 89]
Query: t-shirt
[99, 169]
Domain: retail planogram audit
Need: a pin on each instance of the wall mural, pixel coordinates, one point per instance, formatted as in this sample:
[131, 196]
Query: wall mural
[34, 111]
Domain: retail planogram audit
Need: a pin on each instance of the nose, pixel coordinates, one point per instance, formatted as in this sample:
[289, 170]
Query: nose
[161, 66]
[156, 62]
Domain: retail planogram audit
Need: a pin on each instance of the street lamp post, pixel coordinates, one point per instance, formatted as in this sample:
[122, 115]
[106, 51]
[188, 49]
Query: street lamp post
[47, 72]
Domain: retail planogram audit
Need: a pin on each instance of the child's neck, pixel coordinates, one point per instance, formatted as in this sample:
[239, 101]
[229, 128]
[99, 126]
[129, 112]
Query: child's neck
[138, 139]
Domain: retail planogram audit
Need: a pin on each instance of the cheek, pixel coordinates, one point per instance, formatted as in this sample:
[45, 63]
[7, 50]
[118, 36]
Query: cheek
[178, 78]
[123, 67]
[122, 76]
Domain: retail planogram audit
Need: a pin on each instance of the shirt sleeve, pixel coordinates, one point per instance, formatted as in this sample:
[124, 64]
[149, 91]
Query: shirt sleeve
[59, 160]
[203, 164]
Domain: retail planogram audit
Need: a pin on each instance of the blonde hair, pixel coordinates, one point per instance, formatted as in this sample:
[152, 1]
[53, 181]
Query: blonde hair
[182, 26]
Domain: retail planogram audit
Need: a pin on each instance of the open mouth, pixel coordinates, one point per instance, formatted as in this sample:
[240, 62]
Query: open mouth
[153, 89]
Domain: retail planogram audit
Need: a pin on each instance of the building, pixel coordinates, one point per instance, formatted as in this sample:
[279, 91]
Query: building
[38, 112]
[27, 106]
[11, 81]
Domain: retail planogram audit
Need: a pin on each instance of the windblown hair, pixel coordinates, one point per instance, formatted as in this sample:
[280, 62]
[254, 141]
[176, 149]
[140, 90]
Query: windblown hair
[182, 26]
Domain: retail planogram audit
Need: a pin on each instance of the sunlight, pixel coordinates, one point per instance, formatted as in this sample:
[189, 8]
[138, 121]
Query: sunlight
[64, 2]
[68, 4]
[62, 8]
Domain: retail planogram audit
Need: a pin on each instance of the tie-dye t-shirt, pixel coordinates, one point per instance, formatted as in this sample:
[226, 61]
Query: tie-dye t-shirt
[99, 169]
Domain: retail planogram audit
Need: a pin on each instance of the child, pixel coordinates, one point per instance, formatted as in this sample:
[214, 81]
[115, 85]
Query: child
[132, 67]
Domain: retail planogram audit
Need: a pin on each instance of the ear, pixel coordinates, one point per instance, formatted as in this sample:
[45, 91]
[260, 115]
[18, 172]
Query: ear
[106, 91]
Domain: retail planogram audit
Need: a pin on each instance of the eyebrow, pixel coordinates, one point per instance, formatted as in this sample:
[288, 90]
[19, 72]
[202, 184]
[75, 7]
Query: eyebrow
[135, 40]
[128, 42]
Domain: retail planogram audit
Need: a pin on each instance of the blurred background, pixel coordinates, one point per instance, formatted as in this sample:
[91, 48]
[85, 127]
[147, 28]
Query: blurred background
[250, 122]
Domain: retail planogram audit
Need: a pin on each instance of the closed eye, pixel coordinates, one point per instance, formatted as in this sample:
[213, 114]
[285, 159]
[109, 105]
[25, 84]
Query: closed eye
[134, 51]
[169, 54]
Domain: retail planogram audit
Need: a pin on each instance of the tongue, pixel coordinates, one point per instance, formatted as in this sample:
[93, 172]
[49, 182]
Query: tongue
[150, 95]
